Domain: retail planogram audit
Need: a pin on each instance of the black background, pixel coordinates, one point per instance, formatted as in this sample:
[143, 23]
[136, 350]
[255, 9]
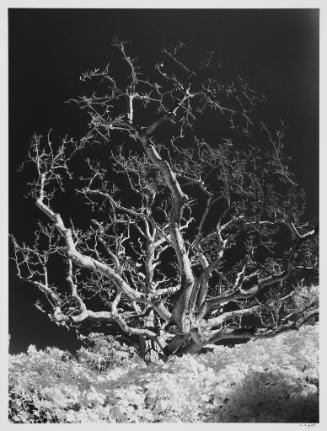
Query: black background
[48, 49]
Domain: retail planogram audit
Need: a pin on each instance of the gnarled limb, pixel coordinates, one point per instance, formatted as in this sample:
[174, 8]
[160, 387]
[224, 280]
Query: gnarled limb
[184, 228]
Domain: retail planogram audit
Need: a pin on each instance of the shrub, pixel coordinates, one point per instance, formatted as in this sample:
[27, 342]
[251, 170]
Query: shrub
[268, 380]
[104, 351]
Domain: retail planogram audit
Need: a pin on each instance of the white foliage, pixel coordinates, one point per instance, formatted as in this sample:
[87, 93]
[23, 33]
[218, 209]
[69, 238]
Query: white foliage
[271, 380]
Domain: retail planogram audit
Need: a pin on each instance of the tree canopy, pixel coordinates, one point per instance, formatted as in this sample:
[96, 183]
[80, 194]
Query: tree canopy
[191, 226]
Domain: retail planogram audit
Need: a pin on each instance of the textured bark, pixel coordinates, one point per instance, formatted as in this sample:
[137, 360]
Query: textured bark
[150, 350]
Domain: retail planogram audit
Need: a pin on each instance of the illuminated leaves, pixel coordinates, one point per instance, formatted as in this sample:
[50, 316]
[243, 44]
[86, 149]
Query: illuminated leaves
[261, 381]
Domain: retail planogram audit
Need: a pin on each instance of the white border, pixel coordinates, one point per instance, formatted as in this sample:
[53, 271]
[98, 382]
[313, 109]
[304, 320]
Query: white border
[164, 4]
[107, 4]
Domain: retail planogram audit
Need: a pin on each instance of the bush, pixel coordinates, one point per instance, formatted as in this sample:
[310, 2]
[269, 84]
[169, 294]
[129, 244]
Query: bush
[272, 380]
[105, 351]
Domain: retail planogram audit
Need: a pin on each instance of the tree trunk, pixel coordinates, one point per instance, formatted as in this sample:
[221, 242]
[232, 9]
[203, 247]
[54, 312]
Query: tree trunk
[149, 348]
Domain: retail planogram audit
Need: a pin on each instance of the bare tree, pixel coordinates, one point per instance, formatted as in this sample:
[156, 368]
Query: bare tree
[192, 202]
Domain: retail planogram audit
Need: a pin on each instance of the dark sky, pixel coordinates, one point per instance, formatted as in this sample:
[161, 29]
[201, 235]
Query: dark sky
[48, 49]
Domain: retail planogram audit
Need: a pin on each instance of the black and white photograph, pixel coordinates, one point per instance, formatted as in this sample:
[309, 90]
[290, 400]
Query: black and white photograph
[163, 215]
